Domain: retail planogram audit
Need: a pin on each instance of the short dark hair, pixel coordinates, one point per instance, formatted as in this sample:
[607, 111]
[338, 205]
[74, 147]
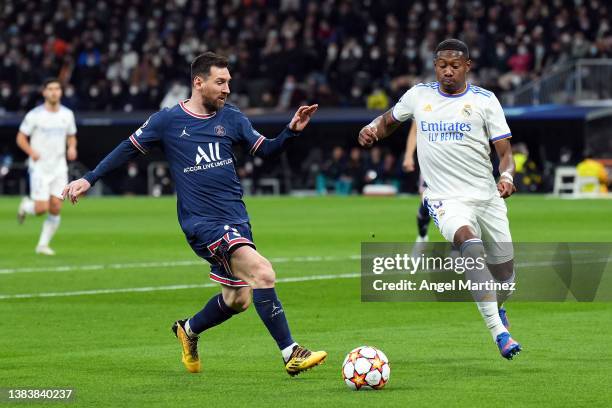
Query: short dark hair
[202, 63]
[51, 81]
[453, 44]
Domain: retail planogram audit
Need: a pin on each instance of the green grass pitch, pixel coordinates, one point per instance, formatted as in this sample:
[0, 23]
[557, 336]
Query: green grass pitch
[116, 348]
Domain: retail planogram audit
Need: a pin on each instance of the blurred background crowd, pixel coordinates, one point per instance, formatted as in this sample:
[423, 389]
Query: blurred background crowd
[127, 55]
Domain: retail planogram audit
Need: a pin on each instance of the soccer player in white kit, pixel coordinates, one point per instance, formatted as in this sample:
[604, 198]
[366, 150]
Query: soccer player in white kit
[51, 130]
[456, 123]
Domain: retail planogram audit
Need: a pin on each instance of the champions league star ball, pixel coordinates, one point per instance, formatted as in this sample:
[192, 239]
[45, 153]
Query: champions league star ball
[366, 368]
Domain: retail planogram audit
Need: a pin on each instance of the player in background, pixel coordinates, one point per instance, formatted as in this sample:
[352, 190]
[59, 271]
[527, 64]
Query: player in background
[197, 136]
[51, 131]
[422, 217]
[456, 122]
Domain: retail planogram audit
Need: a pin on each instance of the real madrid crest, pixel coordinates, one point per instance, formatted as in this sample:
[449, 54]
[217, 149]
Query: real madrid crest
[467, 110]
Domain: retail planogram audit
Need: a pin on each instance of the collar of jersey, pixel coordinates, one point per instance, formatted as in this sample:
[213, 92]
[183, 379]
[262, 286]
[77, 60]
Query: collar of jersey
[195, 115]
[467, 88]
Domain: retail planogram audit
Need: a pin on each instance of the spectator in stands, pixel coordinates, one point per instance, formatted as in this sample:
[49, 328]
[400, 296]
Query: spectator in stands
[354, 174]
[333, 173]
[128, 57]
[527, 177]
[392, 171]
[133, 183]
[520, 66]
[592, 168]
[178, 92]
[374, 167]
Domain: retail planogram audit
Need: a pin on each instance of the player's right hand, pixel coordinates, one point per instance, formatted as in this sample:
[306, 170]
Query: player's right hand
[34, 155]
[367, 136]
[75, 189]
[408, 164]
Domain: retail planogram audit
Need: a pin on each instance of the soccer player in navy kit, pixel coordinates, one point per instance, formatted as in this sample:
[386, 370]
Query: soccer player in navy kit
[197, 136]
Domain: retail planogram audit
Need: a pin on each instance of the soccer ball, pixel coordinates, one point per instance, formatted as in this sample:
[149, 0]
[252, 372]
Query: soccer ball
[366, 368]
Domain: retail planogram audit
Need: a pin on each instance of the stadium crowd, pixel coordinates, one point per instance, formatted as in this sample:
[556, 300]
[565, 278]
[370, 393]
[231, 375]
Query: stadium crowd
[133, 55]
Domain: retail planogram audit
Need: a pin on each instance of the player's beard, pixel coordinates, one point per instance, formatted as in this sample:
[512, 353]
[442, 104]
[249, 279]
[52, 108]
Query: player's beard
[213, 104]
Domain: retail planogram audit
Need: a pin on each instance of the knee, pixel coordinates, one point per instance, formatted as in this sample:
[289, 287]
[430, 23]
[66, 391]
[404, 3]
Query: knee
[241, 301]
[263, 274]
[41, 207]
[55, 209]
[463, 234]
[240, 304]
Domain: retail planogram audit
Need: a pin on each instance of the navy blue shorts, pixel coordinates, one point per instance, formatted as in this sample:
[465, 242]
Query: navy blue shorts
[215, 243]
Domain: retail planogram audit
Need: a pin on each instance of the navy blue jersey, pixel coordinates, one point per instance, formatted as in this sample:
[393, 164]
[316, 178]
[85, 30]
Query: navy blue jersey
[198, 149]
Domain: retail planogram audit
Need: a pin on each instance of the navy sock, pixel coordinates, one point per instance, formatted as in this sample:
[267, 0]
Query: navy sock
[271, 312]
[423, 219]
[215, 312]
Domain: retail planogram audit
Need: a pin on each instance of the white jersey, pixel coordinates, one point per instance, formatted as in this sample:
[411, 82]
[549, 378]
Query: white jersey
[48, 131]
[453, 135]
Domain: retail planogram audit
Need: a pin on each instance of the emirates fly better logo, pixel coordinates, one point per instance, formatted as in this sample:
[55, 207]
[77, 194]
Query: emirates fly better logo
[207, 158]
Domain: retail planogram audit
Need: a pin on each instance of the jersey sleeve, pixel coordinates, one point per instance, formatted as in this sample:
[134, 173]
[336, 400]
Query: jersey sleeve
[248, 135]
[496, 125]
[71, 125]
[150, 133]
[404, 108]
[28, 124]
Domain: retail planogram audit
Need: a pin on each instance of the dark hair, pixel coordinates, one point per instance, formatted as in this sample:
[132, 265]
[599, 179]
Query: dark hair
[453, 44]
[202, 63]
[50, 81]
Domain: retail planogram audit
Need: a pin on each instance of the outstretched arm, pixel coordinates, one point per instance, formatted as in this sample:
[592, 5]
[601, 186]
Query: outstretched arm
[378, 129]
[267, 147]
[122, 153]
[505, 186]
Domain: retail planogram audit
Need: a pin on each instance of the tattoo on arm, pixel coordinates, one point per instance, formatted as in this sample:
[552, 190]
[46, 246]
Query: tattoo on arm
[385, 124]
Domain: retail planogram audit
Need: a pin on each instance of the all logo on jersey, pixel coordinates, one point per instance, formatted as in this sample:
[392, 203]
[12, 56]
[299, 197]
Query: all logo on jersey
[467, 110]
[219, 130]
[213, 153]
[207, 157]
[427, 108]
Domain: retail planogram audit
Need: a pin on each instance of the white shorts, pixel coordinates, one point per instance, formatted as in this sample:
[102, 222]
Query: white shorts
[44, 184]
[488, 218]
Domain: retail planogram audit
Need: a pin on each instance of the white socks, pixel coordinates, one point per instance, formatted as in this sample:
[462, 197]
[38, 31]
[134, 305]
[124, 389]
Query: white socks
[490, 315]
[286, 352]
[486, 300]
[188, 330]
[48, 230]
[503, 295]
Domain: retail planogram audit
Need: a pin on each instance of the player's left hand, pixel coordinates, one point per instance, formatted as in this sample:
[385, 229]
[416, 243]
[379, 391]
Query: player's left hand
[505, 188]
[71, 154]
[302, 117]
[76, 189]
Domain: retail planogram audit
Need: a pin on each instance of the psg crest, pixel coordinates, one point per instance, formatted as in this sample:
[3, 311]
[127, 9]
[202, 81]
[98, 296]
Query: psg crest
[219, 130]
